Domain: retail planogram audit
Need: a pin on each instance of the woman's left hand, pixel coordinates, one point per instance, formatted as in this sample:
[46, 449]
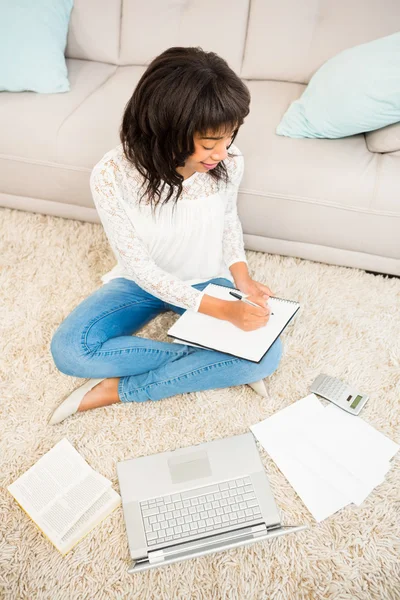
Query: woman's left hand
[251, 287]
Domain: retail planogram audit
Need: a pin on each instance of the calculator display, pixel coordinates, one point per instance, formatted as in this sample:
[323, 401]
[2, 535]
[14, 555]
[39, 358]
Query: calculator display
[356, 402]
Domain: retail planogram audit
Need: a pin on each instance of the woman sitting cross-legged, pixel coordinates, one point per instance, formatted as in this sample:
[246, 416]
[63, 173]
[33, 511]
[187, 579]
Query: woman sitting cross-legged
[167, 199]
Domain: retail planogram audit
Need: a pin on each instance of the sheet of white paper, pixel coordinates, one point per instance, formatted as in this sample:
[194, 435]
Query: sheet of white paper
[347, 440]
[373, 447]
[276, 434]
[321, 499]
[313, 446]
[223, 336]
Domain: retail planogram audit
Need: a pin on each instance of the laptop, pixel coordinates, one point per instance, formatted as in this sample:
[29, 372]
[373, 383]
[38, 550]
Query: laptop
[197, 500]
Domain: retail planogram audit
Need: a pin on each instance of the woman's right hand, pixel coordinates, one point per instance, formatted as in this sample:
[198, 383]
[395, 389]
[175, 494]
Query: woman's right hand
[248, 317]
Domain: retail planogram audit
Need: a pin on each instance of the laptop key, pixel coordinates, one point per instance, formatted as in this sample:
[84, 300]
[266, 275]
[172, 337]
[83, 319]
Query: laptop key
[249, 496]
[252, 503]
[149, 512]
[209, 489]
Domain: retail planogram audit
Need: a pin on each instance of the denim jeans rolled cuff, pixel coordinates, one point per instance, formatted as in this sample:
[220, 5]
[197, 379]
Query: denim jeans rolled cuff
[198, 370]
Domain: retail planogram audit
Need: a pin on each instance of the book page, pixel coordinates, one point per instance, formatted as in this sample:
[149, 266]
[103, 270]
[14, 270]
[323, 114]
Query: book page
[209, 332]
[58, 489]
[92, 517]
[64, 512]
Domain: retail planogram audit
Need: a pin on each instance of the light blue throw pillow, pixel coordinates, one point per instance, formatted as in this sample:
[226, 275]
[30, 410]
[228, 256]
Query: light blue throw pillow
[355, 91]
[33, 38]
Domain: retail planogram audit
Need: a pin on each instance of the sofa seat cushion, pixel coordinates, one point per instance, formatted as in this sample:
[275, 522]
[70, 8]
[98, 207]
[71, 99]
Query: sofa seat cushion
[326, 191]
[53, 142]
[30, 122]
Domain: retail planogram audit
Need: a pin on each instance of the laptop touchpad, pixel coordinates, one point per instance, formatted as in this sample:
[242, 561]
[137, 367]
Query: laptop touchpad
[190, 466]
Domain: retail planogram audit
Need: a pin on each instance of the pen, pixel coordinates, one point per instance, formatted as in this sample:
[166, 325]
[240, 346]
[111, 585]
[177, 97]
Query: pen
[244, 300]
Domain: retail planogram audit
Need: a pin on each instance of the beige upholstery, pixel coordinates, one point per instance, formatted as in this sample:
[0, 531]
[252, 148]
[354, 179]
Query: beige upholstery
[385, 140]
[334, 201]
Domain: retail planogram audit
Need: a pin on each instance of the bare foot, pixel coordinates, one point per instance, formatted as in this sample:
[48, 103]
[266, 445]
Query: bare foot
[102, 394]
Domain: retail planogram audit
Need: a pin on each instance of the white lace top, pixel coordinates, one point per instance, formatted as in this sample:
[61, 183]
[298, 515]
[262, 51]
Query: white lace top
[167, 253]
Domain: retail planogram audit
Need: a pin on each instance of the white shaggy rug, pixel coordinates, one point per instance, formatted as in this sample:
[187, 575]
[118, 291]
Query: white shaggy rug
[348, 326]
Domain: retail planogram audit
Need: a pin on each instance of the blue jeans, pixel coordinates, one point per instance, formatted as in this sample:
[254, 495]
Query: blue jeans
[96, 341]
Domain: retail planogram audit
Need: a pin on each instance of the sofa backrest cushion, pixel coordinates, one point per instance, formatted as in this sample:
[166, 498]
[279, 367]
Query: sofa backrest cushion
[151, 26]
[94, 30]
[289, 40]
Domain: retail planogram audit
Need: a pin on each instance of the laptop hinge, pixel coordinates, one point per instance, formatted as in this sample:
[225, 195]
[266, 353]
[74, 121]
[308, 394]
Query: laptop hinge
[236, 534]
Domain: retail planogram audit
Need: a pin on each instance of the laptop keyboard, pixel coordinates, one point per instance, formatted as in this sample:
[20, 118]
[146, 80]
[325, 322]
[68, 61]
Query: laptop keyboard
[194, 513]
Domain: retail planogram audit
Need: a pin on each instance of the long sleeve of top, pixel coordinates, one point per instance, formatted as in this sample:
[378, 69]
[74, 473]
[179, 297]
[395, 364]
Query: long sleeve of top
[167, 252]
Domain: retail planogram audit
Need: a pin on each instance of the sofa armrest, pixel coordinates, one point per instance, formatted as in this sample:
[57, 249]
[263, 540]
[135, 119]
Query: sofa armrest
[386, 139]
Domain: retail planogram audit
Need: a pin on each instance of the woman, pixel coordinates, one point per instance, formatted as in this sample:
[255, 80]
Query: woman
[166, 197]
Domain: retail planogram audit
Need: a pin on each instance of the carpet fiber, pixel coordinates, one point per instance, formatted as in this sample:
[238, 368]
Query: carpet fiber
[348, 326]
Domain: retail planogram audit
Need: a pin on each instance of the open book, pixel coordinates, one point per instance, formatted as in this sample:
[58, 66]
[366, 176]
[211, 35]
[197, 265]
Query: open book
[64, 496]
[198, 329]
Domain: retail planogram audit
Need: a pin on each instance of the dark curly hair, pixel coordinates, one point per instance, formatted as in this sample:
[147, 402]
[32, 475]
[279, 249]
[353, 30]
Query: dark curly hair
[182, 92]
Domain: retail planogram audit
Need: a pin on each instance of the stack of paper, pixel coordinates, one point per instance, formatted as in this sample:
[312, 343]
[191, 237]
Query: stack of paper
[64, 496]
[330, 457]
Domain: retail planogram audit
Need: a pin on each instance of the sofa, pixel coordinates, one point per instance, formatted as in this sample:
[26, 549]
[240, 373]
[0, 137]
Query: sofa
[335, 201]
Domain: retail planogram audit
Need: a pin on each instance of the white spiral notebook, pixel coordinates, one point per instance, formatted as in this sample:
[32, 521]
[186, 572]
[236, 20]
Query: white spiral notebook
[198, 329]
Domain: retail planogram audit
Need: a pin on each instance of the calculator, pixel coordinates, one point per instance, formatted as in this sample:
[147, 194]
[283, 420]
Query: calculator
[340, 393]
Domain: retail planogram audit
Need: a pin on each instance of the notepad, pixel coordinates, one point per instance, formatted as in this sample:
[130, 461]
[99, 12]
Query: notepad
[202, 330]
